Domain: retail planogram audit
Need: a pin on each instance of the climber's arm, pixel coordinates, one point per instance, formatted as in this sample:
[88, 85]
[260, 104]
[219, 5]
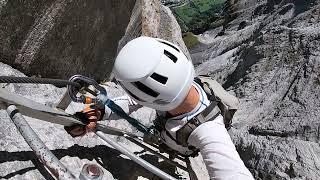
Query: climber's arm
[218, 151]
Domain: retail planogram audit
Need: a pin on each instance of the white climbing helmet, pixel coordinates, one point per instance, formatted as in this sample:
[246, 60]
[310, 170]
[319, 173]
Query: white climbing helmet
[154, 72]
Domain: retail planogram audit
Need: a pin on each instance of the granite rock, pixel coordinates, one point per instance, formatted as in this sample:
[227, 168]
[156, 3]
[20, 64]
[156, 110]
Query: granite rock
[268, 55]
[59, 38]
[53, 26]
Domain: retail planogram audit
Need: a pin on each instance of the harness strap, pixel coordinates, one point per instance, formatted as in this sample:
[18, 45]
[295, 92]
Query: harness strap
[209, 114]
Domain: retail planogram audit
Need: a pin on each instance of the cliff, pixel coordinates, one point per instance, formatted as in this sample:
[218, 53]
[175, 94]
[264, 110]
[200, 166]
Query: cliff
[267, 53]
[61, 38]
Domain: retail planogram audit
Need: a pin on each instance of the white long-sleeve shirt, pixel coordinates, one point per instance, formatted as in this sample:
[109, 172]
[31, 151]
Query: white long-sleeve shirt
[212, 139]
[219, 153]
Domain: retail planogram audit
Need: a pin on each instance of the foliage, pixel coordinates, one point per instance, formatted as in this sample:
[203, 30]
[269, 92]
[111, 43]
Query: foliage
[190, 39]
[217, 23]
[197, 15]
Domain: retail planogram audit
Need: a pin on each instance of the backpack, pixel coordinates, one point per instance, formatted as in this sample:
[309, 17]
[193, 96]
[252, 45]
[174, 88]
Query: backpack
[227, 103]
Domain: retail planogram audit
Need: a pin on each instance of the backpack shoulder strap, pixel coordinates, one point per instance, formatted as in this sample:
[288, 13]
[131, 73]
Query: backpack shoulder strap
[209, 114]
[211, 86]
[210, 94]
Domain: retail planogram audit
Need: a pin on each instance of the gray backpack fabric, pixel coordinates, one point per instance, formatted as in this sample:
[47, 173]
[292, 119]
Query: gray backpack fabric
[227, 103]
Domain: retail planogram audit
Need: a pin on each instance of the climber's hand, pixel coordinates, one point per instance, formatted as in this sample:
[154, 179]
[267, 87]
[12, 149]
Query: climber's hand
[75, 130]
[88, 116]
[92, 115]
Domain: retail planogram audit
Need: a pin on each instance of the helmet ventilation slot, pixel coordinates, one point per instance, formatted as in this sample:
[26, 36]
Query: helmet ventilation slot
[161, 79]
[170, 45]
[160, 101]
[171, 56]
[131, 94]
[146, 89]
[134, 96]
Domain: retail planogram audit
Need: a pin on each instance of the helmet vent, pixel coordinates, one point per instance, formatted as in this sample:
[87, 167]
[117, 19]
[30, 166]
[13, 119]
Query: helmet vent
[171, 56]
[131, 94]
[170, 45]
[161, 79]
[160, 101]
[134, 96]
[146, 89]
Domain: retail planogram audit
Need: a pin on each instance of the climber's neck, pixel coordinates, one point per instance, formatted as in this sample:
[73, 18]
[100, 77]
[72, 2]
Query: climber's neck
[189, 103]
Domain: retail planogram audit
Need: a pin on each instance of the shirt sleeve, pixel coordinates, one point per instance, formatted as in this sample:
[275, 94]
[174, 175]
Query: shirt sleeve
[218, 151]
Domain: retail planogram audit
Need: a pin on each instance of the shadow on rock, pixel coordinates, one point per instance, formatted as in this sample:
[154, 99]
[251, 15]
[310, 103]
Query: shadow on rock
[108, 158]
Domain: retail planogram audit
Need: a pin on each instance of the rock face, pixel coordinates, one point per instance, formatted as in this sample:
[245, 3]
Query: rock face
[148, 17]
[59, 38]
[268, 55]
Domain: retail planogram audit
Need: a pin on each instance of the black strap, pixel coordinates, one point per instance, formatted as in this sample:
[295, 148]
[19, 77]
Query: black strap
[209, 110]
[160, 122]
[211, 96]
[209, 114]
[183, 133]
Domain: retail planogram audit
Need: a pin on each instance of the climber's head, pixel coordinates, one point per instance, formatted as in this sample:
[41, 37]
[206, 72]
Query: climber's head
[154, 72]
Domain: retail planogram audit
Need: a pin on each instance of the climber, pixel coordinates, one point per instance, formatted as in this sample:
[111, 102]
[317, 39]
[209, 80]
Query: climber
[155, 73]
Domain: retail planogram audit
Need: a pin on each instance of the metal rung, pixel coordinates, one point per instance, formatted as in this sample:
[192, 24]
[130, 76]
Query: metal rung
[52, 163]
[135, 158]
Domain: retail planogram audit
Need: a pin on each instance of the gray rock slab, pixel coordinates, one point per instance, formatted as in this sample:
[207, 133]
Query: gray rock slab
[60, 38]
[272, 64]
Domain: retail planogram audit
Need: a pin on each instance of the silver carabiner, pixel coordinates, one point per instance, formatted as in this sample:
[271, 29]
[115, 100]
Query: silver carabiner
[85, 82]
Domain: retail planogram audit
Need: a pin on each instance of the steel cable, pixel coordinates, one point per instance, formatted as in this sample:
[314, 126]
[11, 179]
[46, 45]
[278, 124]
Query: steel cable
[30, 80]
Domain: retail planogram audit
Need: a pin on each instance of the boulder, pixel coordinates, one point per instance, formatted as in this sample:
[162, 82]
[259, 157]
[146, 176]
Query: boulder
[59, 38]
[151, 18]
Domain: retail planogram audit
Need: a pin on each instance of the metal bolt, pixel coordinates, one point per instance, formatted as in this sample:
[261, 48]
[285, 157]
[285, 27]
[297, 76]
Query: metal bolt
[91, 172]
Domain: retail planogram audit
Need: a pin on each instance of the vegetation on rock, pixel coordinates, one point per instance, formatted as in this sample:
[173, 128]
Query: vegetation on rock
[190, 39]
[197, 16]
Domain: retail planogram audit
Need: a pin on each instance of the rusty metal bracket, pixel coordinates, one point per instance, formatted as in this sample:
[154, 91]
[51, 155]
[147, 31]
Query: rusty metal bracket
[42, 112]
[37, 110]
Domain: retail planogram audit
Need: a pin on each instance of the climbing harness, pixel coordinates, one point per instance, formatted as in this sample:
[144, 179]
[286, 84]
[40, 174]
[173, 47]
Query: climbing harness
[77, 87]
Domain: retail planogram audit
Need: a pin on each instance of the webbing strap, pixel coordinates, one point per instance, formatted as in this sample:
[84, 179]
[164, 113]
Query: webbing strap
[209, 114]
[119, 111]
